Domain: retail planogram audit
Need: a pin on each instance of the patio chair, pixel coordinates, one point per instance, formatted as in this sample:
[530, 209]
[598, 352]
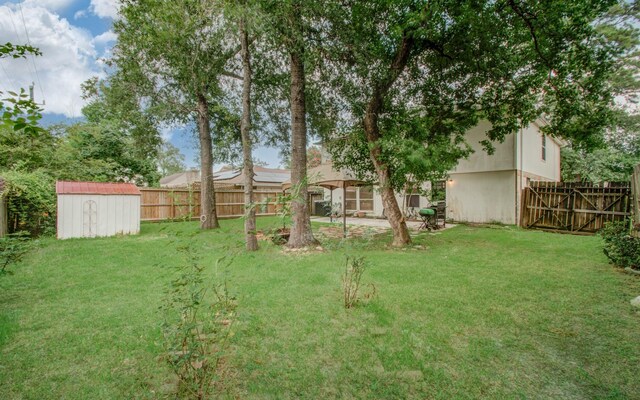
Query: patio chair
[441, 214]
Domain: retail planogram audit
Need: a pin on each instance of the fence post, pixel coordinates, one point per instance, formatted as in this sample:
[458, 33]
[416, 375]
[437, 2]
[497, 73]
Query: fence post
[4, 216]
[635, 187]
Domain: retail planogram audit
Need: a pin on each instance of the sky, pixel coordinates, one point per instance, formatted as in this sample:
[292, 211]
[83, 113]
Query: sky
[75, 37]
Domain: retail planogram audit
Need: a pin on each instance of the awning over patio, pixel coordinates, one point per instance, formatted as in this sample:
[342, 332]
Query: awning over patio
[324, 175]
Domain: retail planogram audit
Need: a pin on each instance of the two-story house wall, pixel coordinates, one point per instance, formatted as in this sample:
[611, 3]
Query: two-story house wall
[487, 188]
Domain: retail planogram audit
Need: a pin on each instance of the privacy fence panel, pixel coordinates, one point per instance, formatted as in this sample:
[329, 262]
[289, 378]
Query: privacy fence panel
[158, 204]
[578, 207]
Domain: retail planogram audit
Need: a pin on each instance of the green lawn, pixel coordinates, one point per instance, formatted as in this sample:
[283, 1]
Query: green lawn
[473, 313]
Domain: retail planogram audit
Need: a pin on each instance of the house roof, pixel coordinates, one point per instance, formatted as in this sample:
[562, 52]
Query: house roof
[180, 179]
[102, 188]
[263, 176]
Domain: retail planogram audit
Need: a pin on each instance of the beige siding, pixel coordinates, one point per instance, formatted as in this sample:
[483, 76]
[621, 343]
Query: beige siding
[530, 154]
[479, 161]
[114, 215]
[378, 208]
[482, 197]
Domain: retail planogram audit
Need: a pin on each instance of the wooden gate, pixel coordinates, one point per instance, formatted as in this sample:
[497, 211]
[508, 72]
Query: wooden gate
[578, 207]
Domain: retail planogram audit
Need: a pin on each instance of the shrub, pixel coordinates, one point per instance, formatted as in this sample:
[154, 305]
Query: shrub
[354, 269]
[197, 325]
[12, 249]
[31, 202]
[622, 249]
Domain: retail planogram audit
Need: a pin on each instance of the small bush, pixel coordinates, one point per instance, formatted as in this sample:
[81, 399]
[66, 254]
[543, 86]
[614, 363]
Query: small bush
[12, 249]
[354, 269]
[197, 326]
[31, 202]
[622, 249]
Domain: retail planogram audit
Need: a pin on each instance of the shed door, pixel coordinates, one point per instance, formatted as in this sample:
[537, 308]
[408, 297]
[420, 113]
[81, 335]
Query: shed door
[89, 219]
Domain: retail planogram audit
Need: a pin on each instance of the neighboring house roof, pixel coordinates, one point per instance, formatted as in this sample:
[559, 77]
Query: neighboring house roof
[262, 176]
[101, 188]
[180, 179]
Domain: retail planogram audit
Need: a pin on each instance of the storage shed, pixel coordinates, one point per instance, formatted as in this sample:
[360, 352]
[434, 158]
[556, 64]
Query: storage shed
[90, 209]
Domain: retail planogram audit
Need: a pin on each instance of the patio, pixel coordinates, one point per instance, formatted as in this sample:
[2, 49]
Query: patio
[357, 226]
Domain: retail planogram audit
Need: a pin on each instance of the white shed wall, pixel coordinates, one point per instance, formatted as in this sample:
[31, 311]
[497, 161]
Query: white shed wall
[115, 215]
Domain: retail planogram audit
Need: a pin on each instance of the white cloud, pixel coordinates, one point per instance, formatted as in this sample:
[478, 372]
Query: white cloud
[68, 58]
[105, 8]
[105, 37]
[80, 14]
[52, 5]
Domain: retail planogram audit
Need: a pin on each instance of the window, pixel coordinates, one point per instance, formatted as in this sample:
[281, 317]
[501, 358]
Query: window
[359, 199]
[351, 199]
[413, 200]
[366, 198]
[544, 147]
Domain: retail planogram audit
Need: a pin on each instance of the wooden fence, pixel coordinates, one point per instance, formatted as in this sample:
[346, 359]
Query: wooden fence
[159, 204]
[635, 187]
[578, 207]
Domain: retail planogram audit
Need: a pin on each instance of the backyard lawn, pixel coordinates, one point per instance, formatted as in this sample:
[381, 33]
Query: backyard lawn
[469, 313]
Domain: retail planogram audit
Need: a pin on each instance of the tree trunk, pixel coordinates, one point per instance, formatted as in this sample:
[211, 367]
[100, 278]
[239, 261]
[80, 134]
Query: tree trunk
[381, 87]
[208, 216]
[398, 224]
[301, 234]
[245, 132]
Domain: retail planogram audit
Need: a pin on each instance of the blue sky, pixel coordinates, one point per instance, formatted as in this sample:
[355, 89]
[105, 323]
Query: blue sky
[75, 37]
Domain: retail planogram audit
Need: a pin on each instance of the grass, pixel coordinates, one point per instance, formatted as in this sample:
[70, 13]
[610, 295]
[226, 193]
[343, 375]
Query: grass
[472, 313]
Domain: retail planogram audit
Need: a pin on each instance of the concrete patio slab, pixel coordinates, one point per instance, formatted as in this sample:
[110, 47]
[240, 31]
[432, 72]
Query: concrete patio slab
[372, 222]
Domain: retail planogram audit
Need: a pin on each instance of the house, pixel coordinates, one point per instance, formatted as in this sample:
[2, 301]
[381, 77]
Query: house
[230, 178]
[487, 188]
[482, 188]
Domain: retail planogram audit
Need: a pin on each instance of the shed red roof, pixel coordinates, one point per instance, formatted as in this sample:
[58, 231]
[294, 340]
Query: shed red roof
[65, 187]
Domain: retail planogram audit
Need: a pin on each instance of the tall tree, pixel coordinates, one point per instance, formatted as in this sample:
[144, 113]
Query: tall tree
[245, 131]
[413, 77]
[175, 52]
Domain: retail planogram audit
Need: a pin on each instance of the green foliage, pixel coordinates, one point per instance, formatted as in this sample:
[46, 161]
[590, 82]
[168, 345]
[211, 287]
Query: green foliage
[31, 201]
[526, 59]
[170, 160]
[608, 164]
[622, 249]
[19, 112]
[198, 324]
[13, 248]
[351, 281]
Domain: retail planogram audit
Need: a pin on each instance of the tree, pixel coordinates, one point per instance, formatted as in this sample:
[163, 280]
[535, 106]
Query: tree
[175, 52]
[413, 77]
[18, 110]
[615, 160]
[608, 164]
[170, 160]
[245, 131]
[286, 37]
